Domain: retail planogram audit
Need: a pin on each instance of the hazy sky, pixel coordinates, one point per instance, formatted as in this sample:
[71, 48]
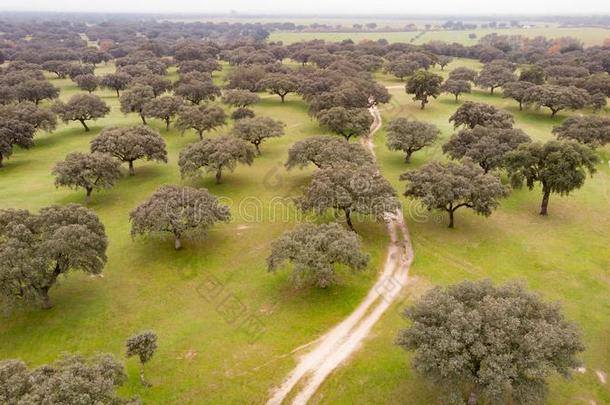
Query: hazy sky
[318, 6]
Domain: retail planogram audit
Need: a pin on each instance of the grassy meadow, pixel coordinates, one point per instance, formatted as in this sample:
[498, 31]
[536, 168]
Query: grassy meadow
[590, 36]
[200, 300]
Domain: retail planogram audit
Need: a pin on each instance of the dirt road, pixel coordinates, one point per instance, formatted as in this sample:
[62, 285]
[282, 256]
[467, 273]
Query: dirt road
[344, 339]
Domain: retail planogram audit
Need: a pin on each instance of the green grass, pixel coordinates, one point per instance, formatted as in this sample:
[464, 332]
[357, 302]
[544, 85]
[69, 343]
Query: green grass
[203, 358]
[589, 35]
[565, 257]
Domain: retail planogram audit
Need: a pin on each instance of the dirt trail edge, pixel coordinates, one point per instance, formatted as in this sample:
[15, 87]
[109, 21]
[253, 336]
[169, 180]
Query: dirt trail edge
[345, 338]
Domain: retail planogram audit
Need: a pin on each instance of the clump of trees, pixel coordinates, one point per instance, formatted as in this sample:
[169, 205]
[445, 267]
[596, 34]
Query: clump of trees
[181, 211]
[215, 155]
[326, 151]
[349, 189]
[143, 345]
[91, 171]
[314, 251]
[201, 118]
[258, 129]
[73, 379]
[451, 186]
[559, 166]
[38, 248]
[409, 136]
[129, 144]
[423, 85]
[525, 341]
[81, 108]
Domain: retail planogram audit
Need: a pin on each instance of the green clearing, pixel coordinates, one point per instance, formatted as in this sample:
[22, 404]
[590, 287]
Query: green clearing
[589, 35]
[205, 358]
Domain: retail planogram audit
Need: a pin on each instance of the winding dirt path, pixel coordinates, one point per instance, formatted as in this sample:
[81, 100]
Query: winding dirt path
[344, 339]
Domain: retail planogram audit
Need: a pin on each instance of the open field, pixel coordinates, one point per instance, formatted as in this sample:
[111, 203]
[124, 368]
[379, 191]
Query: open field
[588, 35]
[205, 356]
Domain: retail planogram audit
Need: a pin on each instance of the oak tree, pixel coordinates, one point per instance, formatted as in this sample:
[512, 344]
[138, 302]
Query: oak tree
[143, 345]
[215, 155]
[37, 248]
[135, 98]
[346, 122]
[181, 211]
[314, 252]
[91, 171]
[352, 189]
[559, 166]
[81, 108]
[325, 151]
[410, 136]
[450, 186]
[589, 130]
[423, 84]
[486, 146]
[201, 118]
[129, 144]
[256, 130]
[470, 114]
[482, 343]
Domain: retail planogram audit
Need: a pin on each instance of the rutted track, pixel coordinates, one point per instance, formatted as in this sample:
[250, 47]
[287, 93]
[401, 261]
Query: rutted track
[344, 339]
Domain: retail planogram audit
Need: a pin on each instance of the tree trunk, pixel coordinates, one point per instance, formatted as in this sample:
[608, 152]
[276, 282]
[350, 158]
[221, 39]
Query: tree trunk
[84, 125]
[553, 112]
[472, 398]
[408, 156]
[520, 105]
[131, 169]
[1, 158]
[456, 98]
[258, 150]
[177, 242]
[349, 220]
[423, 104]
[46, 301]
[200, 135]
[143, 118]
[88, 196]
[450, 218]
[142, 379]
[492, 90]
[117, 93]
[218, 175]
[282, 97]
[167, 124]
[545, 201]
